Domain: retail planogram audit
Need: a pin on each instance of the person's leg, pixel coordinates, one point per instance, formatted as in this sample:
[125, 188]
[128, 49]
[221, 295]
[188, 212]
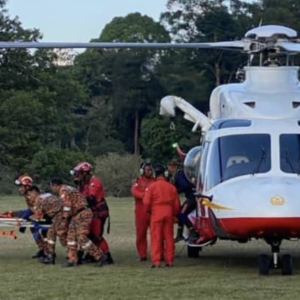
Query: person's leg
[156, 242]
[169, 240]
[141, 225]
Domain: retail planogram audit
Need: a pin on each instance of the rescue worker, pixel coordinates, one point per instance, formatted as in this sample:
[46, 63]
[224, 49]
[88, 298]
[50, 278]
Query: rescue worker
[142, 220]
[49, 206]
[24, 182]
[183, 185]
[78, 217]
[91, 187]
[162, 203]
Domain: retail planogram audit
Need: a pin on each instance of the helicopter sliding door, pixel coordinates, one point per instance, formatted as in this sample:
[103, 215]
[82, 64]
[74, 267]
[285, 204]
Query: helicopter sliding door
[237, 155]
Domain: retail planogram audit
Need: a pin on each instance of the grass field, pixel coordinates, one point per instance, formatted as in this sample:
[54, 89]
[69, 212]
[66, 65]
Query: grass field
[225, 271]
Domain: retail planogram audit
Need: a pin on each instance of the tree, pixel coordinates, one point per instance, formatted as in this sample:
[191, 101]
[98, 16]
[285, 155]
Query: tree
[125, 78]
[158, 139]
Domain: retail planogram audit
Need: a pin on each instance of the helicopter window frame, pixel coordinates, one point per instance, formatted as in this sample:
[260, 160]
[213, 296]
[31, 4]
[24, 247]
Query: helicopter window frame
[252, 155]
[203, 163]
[289, 153]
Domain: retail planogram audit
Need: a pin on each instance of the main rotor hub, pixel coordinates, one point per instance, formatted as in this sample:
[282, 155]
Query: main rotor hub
[271, 32]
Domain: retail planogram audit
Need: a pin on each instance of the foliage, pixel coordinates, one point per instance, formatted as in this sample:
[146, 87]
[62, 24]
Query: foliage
[117, 172]
[106, 102]
[158, 139]
[125, 79]
[7, 176]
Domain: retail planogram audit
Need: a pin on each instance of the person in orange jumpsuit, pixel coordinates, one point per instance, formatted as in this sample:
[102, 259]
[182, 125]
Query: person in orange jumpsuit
[24, 182]
[162, 203]
[91, 187]
[142, 220]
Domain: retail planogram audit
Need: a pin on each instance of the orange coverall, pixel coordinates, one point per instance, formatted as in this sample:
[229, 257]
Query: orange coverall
[142, 220]
[162, 202]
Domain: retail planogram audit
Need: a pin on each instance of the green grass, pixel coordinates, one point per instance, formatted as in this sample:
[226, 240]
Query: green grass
[227, 270]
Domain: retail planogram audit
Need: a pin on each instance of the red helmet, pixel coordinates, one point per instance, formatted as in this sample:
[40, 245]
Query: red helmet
[81, 167]
[24, 180]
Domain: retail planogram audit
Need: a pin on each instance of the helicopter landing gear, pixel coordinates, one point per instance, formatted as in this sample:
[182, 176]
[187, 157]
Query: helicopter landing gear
[265, 262]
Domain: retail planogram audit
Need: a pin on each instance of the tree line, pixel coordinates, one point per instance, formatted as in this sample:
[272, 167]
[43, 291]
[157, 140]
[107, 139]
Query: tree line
[107, 101]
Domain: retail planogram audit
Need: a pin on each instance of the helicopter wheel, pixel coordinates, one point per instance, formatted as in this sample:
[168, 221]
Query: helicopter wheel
[264, 262]
[193, 252]
[287, 264]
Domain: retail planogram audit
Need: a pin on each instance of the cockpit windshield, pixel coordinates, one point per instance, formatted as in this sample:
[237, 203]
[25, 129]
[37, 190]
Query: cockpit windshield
[238, 155]
[290, 153]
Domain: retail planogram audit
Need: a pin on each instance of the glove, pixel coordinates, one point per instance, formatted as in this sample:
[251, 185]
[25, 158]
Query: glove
[22, 229]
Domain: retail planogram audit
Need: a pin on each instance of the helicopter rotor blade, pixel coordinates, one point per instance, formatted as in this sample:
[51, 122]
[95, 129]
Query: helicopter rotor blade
[289, 46]
[239, 45]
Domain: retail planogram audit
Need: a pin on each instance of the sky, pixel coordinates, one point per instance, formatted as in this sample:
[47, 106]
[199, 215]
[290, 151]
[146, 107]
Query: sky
[77, 20]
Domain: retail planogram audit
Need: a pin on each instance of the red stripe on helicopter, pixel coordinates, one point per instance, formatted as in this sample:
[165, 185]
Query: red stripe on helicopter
[261, 227]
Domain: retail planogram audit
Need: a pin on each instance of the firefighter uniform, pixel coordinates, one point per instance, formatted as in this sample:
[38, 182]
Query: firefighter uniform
[94, 193]
[79, 218]
[50, 206]
[24, 182]
[40, 239]
[162, 202]
[142, 219]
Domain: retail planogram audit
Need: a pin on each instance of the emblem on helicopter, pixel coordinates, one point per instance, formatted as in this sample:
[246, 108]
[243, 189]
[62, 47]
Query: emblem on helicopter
[277, 200]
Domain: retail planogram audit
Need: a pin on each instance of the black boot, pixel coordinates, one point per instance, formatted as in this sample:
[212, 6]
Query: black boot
[109, 258]
[80, 256]
[87, 259]
[104, 260]
[179, 236]
[71, 264]
[39, 254]
[193, 236]
[49, 259]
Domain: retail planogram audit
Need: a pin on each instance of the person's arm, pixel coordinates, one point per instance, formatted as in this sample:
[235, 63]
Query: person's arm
[95, 193]
[137, 192]
[176, 204]
[66, 200]
[147, 200]
[38, 211]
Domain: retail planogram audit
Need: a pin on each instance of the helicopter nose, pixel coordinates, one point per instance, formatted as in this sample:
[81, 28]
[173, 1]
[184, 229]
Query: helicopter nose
[261, 207]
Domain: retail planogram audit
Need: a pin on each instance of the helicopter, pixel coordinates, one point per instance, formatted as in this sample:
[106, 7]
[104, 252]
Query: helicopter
[247, 167]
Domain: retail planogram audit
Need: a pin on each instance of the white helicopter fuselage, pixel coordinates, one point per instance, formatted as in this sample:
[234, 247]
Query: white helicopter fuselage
[257, 203]
[256, 198]
[250, 154]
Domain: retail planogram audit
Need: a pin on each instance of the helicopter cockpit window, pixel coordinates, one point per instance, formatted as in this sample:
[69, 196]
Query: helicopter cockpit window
[290, 153]
[221, 124]
[237, 155]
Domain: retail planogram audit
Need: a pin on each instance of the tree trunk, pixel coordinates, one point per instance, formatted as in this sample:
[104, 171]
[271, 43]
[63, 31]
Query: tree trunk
[136, 133]
[218, 73]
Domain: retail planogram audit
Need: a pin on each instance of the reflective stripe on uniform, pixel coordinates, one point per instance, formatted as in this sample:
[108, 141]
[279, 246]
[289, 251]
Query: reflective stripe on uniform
[51, 242]
[87, 245]
[66, 208]
[72, 243]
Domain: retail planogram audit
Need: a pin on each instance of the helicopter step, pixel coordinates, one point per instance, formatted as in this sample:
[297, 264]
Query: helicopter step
[284, 262]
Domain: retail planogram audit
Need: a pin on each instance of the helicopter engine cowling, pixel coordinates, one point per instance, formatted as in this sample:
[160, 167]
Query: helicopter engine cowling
[192, 164]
